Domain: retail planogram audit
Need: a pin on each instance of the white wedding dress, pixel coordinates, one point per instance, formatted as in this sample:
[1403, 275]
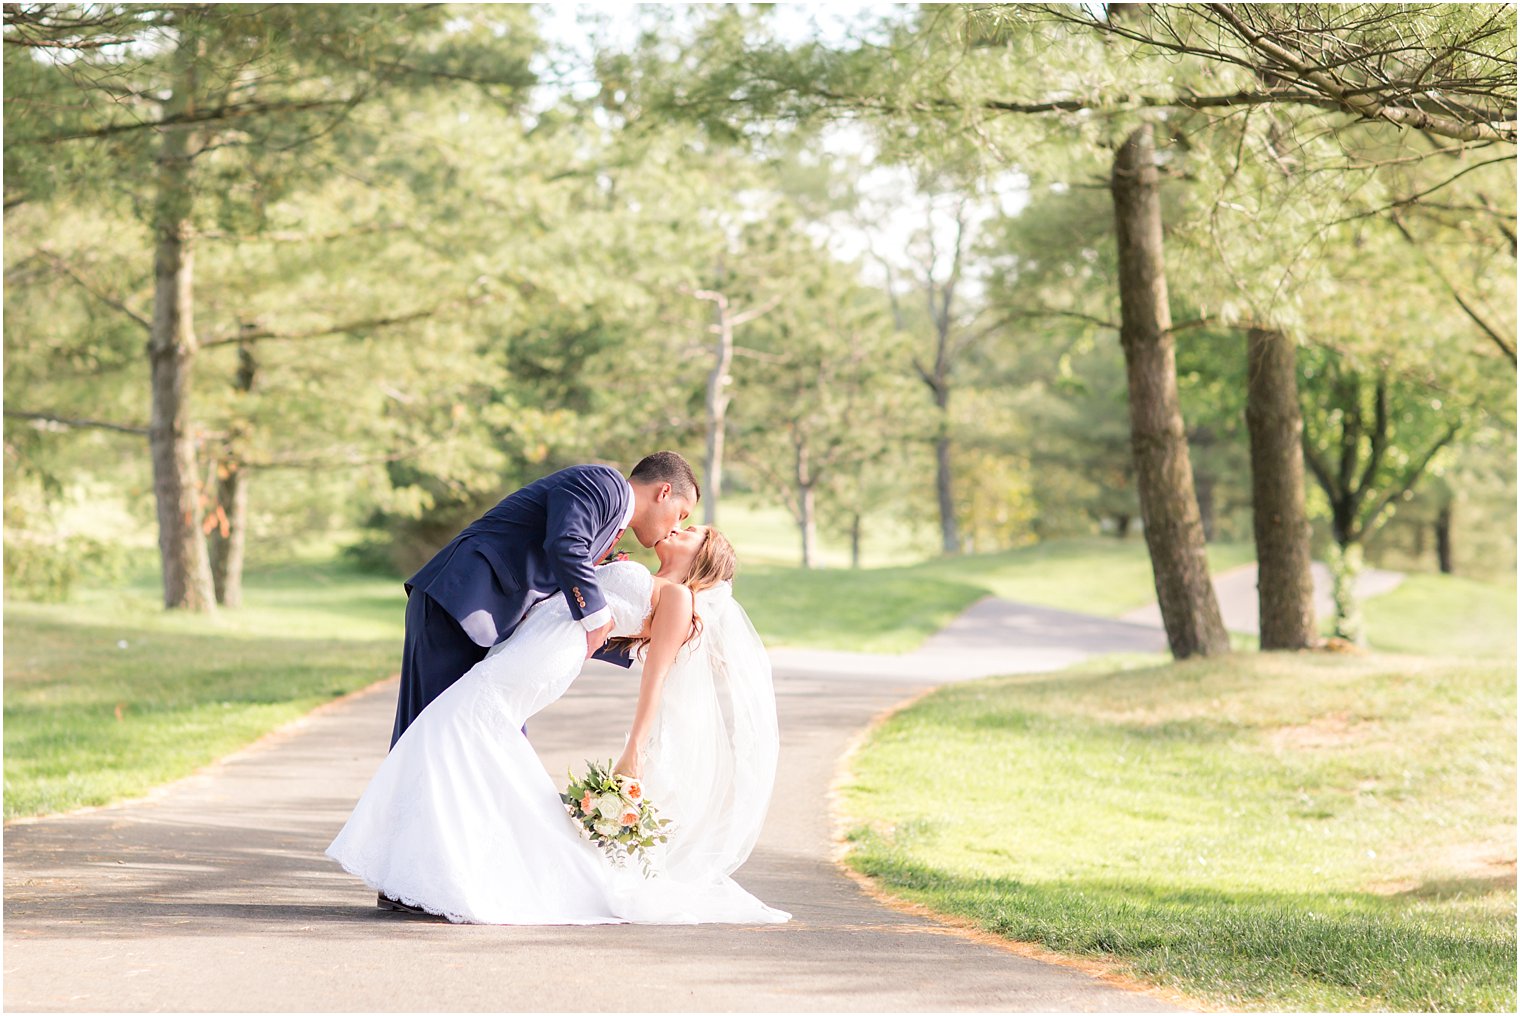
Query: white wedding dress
[462, 820]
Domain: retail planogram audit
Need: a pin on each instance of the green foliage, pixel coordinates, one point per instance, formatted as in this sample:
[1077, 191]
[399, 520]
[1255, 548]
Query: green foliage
[1274, 832]
[44, 568]
[600, 800]
[466, 283]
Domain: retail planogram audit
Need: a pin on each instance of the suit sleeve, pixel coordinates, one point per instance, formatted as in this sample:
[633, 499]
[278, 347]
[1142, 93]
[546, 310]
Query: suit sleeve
[579, 512]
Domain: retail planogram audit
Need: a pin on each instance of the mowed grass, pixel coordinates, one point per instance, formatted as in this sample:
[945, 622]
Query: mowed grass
[109, 696]
[1446, 615]
[893, 609]
[1288, 831]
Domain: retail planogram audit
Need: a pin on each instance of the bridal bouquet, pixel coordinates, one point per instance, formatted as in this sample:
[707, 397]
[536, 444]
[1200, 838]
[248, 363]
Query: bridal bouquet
[612, 813]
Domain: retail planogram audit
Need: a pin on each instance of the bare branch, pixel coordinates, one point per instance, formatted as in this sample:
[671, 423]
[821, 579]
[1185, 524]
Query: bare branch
[362, 325]
[94, 290]
[749, 315]
[1507, 348]
[71, 421]
[219, 114]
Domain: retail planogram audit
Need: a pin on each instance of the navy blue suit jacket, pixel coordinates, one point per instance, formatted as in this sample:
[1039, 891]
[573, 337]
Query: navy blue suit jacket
[540, 540]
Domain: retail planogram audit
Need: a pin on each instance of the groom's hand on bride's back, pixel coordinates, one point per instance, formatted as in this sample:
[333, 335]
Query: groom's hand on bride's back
[596, 637]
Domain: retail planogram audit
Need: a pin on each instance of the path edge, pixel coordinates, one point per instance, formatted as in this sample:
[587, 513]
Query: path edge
[1107, 971]
[264, 742]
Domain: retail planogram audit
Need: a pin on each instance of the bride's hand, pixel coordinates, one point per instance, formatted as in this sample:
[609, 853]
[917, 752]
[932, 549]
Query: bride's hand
[628, 765]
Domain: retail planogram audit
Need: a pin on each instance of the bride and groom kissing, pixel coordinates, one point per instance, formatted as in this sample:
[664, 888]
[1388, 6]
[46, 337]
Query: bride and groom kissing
[461, 820]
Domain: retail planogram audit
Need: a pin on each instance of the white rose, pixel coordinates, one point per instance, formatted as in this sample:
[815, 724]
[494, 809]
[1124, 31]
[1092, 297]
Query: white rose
[606, 828]
[609, 806]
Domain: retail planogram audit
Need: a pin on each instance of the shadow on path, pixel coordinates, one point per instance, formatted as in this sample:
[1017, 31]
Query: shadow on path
[215, 894]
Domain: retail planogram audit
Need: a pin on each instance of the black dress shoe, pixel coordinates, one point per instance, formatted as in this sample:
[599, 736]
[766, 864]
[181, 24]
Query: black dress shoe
[384, 902]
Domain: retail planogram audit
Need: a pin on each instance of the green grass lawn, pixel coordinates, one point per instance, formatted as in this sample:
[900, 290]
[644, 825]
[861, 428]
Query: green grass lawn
[1291, 831]
[1445, 615]
[108, 696]
[893, 609]
[190, 689]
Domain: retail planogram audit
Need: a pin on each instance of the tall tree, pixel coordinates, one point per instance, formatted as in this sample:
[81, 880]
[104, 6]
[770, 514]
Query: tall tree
[818, 407]
[1369, 438]
[204, 108]
[930, 282]
[1173, 529]
[725, 320]
[1285, 587]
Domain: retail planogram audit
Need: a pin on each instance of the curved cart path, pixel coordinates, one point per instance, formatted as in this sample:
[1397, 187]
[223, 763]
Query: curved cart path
[214, 893]
[1238, 604]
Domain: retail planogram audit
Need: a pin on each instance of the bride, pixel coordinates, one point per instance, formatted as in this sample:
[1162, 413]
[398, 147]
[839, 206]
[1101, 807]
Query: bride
[462, 820]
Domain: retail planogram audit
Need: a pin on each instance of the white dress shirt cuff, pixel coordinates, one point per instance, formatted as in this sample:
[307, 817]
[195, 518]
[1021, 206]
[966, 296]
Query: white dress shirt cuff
[591, 622]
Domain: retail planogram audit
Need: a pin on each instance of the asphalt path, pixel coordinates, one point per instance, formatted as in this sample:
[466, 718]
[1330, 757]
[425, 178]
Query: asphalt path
[213, 894]
[1238, 602]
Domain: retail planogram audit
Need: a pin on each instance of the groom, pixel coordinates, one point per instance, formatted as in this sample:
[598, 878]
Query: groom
[545, 538]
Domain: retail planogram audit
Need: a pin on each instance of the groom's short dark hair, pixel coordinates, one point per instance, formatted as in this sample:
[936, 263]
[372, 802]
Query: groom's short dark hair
[671, 468]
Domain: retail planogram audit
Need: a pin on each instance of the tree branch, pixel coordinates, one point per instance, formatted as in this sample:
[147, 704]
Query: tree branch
[1379, 436]
[1506, 348]
[747, 316]
[69, 421]
[365, 324]
[1352, 100]
[1317, 465]
[218, 114]
[1407, 482]
[98, 293]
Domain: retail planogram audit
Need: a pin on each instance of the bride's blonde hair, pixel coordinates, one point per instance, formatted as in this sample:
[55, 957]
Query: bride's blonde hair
[715, 562]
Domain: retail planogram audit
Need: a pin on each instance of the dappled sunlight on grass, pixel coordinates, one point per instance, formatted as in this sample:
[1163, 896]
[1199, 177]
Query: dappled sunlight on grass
[1220, 824]
[1245, 949]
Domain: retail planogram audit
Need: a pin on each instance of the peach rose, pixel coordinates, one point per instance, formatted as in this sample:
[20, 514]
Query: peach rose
[586, 803]
[633, 789]
[630, 817]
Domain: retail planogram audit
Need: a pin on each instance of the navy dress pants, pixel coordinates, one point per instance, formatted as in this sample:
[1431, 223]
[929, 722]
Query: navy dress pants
[437, 653]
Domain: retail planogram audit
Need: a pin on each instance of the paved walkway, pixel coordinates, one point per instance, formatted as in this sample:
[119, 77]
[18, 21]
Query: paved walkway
[215, 895]
[1236, 590]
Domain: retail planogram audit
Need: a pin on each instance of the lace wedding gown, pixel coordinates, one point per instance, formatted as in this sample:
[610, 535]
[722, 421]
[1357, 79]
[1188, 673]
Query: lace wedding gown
[462, 820]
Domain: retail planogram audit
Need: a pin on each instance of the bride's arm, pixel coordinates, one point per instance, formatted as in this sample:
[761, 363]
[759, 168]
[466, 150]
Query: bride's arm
[667, 633]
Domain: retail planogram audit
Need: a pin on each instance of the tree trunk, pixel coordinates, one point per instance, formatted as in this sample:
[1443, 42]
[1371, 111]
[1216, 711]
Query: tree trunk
[1121, 526]
[1345, 568]
[171, 351]
[717, 408]
[809, 528]
[1164, 476]
[1443, 539]
[855, 532]
[1203, 483]
[807, 519]
[229, 533]
[229, 530]
[944, 478]
[1284, 585]
[806, 501]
